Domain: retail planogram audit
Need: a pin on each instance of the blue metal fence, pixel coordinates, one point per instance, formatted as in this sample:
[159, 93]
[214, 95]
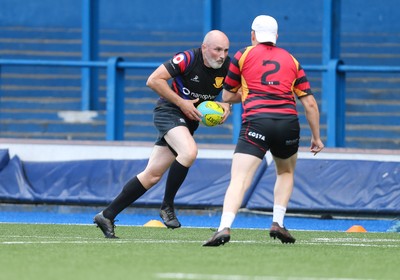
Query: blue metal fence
[115, 66]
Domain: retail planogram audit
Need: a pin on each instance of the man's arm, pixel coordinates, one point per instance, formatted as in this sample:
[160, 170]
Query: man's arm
[158, 81]
[312, 115]
[232, 97]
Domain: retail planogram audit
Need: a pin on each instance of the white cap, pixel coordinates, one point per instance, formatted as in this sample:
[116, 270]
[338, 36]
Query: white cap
[266, 29]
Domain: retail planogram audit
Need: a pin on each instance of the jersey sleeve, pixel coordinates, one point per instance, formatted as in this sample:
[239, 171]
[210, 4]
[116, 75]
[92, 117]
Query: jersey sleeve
[301, 86]
[180, 63]
[233, 78]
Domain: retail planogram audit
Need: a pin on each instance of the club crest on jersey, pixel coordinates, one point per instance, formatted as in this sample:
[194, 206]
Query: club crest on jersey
[218, 82]
[178, 58]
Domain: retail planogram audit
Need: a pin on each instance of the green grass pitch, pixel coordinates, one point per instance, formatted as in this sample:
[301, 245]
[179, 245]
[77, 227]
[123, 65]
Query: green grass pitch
[35, 251]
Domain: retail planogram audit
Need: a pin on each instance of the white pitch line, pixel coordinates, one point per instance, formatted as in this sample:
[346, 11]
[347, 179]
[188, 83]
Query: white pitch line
[119, 241]
[330, 240]
[357, 245]
[124, 241]
[347, 242]
[194, 276]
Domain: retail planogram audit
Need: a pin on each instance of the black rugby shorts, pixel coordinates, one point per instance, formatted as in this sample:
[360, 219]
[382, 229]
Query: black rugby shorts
[280, 136]
[167, 116]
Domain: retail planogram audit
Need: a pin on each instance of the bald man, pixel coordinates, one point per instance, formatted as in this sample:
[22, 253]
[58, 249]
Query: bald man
[197, 75]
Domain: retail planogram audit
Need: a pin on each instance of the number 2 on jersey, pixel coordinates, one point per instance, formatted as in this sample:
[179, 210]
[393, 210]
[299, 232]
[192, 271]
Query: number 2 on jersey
[264, 77]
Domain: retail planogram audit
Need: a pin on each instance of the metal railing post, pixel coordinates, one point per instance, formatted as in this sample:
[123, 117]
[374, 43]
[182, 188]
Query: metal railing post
[236, 121]
[90, 27]
[212, 15]
[115, 100]
[336, 106]
[330, 41]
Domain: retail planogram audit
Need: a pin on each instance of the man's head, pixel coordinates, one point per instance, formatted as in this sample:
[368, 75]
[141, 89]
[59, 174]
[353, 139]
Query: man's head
[215, 49]
[264, 29]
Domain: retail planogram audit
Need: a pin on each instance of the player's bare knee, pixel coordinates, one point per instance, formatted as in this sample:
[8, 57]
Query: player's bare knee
[187, 158]
[149, 179]
[154, 179]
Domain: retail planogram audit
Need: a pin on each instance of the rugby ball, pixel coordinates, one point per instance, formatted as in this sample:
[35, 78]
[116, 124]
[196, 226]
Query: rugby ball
[212, 113]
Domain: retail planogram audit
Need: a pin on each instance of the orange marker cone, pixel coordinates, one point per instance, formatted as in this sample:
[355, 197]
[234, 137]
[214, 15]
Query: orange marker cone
[356, 228]
[154, 223]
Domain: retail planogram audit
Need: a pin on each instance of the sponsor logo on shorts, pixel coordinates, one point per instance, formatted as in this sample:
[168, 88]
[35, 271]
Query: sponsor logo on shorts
[292, 142]
[182, 120]
[256, 135]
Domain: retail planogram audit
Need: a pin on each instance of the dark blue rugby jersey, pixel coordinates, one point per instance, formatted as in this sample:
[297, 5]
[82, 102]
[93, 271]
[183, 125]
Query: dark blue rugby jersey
[192, 79]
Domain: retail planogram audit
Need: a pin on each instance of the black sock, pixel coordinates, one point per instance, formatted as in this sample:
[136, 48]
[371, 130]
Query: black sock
[176, 175]
[132, 190]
